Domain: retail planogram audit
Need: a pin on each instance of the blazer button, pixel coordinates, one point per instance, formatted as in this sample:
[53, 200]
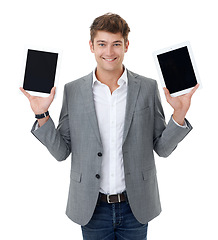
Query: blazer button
[97, 176]
[100, 154]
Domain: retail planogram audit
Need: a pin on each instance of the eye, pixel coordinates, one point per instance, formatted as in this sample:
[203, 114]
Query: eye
[101, 44]
[117, 44]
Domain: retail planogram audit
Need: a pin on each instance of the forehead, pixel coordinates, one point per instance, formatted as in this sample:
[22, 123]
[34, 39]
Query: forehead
[108, 36]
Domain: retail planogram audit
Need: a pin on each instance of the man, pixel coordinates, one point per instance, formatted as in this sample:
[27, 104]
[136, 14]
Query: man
[111, 121]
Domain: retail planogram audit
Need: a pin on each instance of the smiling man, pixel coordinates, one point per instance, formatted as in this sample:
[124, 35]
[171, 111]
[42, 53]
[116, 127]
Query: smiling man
[109, 49]
[111, 122]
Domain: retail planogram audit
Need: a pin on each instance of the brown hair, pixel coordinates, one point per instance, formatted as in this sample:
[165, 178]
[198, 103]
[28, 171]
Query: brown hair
[110, 22]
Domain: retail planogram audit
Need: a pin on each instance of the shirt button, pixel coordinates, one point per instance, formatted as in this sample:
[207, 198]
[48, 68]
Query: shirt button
[100, 154]
[97, 176]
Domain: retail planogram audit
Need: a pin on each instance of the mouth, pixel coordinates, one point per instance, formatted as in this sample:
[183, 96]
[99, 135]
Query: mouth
[109, 59]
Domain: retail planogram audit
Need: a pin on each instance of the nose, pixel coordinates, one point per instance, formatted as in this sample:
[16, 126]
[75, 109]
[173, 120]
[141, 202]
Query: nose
[109, 50]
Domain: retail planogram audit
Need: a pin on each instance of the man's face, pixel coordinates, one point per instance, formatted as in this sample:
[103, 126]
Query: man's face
[109, 50]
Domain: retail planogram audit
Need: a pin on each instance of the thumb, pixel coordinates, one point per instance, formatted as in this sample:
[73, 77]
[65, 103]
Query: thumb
[52, 93]
[167, 93]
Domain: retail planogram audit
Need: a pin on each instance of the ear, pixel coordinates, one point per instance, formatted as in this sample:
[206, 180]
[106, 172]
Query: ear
[126, 46]
[91, 45]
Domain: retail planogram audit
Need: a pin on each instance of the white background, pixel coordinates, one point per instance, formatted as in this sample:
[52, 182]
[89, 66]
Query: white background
[34, 186]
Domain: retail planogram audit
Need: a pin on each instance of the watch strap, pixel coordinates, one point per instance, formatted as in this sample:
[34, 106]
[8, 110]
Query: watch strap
[43, 115]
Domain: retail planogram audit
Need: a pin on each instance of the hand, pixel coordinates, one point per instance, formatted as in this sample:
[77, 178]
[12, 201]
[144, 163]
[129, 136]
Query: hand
[180, 104]
[39, 105]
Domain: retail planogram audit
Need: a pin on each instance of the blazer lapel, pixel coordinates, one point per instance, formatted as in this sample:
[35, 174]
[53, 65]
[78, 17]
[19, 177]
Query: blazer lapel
[132, 94]
[88, 98]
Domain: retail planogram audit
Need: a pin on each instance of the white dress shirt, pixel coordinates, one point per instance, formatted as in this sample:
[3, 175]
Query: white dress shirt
[110, 111]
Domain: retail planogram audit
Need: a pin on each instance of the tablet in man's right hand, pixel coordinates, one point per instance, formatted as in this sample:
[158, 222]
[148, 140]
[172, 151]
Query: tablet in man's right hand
[40, 72]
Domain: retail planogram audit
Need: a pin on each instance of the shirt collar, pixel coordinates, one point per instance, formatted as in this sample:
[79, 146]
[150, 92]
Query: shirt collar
[122, 79]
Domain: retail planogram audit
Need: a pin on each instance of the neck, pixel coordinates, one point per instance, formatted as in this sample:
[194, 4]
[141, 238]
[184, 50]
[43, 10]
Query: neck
[109, 78]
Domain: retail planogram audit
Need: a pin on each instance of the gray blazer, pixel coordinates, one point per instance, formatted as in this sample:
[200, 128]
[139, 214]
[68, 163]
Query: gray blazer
[145, 130]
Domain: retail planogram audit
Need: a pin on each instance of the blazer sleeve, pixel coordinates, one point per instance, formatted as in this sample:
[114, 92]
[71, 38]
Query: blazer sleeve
[57, 140]
[166, 137]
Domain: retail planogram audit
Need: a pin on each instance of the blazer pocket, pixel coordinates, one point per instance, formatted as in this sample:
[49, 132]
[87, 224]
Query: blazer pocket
[75, 176]
[148, 174]
[140, 111]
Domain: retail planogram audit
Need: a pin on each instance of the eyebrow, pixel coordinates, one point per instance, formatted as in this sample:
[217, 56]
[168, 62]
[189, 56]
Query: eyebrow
[117, 41]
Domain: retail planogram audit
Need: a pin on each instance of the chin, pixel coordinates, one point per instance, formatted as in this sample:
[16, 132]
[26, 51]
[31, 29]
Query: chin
[111, 67]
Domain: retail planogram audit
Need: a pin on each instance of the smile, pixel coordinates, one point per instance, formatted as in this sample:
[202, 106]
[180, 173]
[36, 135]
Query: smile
[110, 59]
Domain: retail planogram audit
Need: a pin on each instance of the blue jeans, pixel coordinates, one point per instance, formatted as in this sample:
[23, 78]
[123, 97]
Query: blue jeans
[114, 222]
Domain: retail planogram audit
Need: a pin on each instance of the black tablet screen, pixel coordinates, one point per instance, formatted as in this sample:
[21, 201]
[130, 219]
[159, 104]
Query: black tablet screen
[177, 70]
[40, 71]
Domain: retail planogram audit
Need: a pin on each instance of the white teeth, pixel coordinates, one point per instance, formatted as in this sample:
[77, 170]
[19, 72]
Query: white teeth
[109, 59]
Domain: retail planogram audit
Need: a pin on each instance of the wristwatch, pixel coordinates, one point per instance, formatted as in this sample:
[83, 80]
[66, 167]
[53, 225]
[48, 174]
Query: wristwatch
[40, 116]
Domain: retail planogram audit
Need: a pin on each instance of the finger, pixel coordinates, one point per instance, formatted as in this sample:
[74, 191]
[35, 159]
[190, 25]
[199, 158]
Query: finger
[194, 89]
[167, 93]
[52, 93]
[25, 93]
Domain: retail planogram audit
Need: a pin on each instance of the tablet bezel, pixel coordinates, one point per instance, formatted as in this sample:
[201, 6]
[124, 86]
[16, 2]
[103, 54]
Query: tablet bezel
[171, 48]
[57, 73]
